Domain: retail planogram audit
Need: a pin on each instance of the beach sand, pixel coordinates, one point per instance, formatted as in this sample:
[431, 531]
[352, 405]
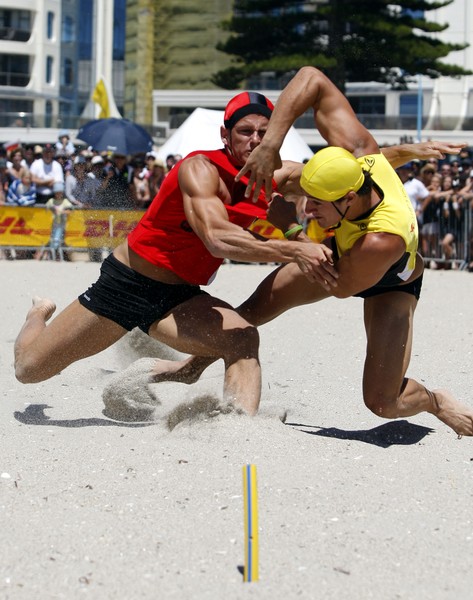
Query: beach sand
[350, 505]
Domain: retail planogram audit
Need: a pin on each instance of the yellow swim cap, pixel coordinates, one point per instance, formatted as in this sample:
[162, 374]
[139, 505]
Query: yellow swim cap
[331, 173]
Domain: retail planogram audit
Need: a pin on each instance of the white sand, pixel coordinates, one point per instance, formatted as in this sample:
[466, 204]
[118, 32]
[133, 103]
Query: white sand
[351, 506]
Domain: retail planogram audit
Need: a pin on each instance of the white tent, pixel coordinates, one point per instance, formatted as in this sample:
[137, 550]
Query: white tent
[201, 131]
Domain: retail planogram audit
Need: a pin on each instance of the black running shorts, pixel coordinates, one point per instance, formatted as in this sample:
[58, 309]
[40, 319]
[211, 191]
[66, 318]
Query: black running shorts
[131, 299]
[414, 288]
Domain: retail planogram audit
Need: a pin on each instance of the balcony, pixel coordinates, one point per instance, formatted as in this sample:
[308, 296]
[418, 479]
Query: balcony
[14, 34]
[14, 79]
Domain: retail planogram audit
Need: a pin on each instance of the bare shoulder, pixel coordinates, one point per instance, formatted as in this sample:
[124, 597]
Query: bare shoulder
[380, 246]
[196, 162]
[197, 173]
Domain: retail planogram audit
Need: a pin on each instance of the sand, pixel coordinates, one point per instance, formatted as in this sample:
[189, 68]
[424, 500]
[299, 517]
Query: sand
[350, 506]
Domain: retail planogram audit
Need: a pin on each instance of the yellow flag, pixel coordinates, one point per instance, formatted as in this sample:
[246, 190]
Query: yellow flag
[100, 97]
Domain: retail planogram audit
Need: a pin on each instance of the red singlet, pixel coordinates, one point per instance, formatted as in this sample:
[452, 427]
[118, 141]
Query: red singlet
[164, 237]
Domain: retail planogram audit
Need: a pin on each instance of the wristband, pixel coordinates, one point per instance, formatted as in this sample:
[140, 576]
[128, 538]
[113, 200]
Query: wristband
[293, 230]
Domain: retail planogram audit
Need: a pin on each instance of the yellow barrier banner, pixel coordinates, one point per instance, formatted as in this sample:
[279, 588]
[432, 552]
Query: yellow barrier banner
[31, 226]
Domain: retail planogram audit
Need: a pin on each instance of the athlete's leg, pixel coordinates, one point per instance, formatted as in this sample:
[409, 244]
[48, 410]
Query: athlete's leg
[284, 288]
[209, 327]
[42, 350]
[386, 390]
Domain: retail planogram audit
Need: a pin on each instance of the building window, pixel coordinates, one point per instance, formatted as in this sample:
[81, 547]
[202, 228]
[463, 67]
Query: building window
[68, 72]
[50, 25]
[68, 30]
[14, 70]
[368, 105]
[408, 104]
[15, 25]
[15, 112]
[49, 69]
[48, 113]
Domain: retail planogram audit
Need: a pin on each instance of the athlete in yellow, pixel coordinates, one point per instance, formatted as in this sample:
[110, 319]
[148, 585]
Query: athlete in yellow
[365, 205]
[392, 214]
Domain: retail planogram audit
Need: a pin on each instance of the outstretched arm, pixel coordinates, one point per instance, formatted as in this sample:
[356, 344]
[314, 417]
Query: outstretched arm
[333, 116]
[205, 211]
[403, 153]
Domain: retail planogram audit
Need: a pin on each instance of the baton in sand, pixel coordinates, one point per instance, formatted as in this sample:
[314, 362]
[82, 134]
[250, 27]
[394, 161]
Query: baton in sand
[250, 501]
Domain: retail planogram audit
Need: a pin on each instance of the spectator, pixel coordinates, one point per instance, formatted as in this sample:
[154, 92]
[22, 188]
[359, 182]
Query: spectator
[431, 219]
[156, 177]
[60, 207]
[4, 180]
[29, 156]
[445, 169]
[96, 171]
[465, 171]
[170, 161]
[64, 143]
[455, 173]
[141, 185]
[46, 172]
[451, 225]
[117, 191]
[22, 192]
[415, 189]
[65, 161]
[37, 151]
[17, 164]
[426, 174]
[81, 190]
[150, 158]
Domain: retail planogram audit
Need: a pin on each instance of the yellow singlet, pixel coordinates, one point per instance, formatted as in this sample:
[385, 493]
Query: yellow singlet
[394, 214]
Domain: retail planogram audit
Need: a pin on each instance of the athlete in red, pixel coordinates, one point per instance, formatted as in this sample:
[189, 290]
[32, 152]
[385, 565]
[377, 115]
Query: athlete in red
[151, 281]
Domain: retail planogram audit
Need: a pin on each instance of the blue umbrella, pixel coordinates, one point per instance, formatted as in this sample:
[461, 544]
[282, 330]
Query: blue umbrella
[118, 136]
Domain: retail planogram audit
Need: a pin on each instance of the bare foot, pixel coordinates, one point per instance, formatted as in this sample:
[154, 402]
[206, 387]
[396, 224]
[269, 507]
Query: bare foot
[42, 306]
[453, 413]
[183, 371]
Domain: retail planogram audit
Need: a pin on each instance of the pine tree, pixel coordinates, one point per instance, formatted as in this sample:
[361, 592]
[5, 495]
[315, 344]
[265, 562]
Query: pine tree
[372, 40]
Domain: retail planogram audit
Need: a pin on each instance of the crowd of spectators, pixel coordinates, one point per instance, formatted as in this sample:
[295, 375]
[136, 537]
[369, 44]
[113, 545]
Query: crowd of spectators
[441, 193]
[61, 177]
[91, 180]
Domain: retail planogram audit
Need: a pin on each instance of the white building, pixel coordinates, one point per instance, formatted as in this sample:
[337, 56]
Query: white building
[30, 42]
[40, 74]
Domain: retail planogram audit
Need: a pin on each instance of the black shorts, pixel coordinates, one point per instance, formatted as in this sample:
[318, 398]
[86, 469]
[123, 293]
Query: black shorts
[131, 299]
[414, 288]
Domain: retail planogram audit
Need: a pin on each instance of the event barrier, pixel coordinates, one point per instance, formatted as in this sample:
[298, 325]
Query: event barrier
[29, 228]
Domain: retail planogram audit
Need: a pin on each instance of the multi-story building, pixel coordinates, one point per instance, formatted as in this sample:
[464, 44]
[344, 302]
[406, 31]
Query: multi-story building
[30, 45]
[50, 62]
[159, 55]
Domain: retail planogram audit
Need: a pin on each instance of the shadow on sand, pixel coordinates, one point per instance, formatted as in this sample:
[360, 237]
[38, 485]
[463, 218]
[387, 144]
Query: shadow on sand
[34, 415]
[394, 433]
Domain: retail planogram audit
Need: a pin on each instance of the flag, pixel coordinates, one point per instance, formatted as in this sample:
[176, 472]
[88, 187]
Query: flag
[10, 146]
[100, 97]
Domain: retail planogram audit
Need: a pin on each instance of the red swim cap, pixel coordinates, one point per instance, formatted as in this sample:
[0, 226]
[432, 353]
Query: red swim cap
[246, 103]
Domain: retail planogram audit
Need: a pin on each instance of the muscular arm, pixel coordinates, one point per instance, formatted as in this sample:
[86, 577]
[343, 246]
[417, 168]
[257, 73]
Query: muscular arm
[204, 196]
[333, 116]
